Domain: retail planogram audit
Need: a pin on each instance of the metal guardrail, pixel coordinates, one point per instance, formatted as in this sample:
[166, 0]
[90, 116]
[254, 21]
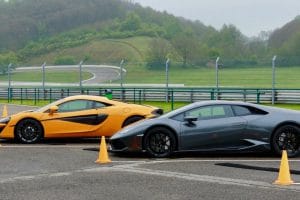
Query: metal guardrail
[138, 95]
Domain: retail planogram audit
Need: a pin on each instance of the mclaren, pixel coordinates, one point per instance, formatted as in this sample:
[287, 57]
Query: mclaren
[74, 116]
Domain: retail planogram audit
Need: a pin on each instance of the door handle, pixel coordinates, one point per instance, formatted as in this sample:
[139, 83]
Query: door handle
[238, 124]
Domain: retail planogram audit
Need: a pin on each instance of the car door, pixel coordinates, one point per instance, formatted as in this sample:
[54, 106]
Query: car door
[73, 118]
[216, 127]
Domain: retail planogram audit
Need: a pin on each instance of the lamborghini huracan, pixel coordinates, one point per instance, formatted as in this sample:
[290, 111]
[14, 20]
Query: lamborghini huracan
[74, 116]
[214, 126]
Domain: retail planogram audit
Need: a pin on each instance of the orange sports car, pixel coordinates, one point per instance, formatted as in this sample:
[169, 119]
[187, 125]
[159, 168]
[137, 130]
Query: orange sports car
[74, 116]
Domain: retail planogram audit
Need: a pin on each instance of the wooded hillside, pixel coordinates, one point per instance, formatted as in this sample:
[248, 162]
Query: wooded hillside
[31, 28]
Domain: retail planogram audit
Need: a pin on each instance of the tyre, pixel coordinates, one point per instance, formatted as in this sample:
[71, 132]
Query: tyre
[159, 142]
[287, 138]
[131, 120]
[28, 131]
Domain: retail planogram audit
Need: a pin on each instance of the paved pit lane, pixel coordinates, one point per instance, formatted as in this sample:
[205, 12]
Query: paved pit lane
[62, 169]
[66, 169]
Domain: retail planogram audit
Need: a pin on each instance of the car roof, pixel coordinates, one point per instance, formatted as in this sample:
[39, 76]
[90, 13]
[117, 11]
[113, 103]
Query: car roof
[84, 97]
[89, 97]
[208, 103]
[220, 102]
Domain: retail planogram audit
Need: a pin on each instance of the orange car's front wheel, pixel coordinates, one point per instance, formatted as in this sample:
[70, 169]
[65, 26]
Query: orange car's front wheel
[28, 131]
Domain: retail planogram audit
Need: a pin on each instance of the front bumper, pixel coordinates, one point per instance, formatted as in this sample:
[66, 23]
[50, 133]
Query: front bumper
[132, 144]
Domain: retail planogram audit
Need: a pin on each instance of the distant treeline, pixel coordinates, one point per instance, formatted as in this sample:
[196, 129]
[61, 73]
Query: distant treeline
[34, 27]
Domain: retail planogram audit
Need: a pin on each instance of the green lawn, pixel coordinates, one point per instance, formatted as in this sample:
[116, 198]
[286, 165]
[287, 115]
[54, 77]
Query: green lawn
[250, 77]
[51, 76]
[110, 51]
[167, 107]
[135, 49]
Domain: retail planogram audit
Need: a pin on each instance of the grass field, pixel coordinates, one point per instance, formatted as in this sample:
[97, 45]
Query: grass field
[133, 50]
[165, 106]
[101, 52]
[250, 77]
[50, 76]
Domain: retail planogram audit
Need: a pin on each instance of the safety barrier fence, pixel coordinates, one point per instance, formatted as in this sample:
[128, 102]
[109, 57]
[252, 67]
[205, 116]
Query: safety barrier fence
[139, 95]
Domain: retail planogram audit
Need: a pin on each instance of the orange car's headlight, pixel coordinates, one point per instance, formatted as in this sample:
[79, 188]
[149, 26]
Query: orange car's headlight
[157, 112]
[5, 120]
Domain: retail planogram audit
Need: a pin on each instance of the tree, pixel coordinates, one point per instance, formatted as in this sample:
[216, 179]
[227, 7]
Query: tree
[186, 44]
[158, 53]
[290, 51]
[5, 60]
[132, 22]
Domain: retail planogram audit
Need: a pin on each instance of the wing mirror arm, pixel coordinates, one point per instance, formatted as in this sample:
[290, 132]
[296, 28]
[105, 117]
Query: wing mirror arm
[190, 120]
[53, 109]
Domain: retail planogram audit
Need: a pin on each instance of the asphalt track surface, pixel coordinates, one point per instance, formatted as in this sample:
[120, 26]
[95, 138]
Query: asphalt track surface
[65, 169]
[101, 74]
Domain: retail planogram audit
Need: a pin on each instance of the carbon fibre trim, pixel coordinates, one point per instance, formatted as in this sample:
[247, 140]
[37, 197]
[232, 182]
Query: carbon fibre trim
[85, 119]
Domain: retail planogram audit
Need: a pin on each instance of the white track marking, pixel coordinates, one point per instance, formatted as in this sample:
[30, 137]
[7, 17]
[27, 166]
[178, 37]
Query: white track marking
[183, 176]
[201, 178]
[93, 77]
[50, 146]
[157, 161]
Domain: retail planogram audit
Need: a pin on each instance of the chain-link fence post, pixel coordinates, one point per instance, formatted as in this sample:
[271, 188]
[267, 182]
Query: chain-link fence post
[80, 76]
[122, 92]
[9, 82]
[43, 79]
[167, 80]
[217, 78]
[273, 80]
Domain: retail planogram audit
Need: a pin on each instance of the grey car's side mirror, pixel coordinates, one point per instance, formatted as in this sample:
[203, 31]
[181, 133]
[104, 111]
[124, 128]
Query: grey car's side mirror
[190, 119]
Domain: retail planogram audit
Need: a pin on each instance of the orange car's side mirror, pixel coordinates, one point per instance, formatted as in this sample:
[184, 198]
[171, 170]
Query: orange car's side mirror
[53, 109]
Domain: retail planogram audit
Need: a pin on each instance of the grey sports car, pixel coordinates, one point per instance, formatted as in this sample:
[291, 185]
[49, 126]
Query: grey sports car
[214, 126]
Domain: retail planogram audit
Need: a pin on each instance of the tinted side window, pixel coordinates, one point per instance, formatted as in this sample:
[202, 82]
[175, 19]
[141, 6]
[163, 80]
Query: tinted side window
[211, 112]
[247, 110]
[241, 111]
[99, 104]
[75, 105]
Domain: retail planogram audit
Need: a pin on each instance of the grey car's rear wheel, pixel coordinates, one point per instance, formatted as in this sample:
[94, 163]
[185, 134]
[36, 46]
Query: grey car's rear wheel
[287, 138]
[159, 142]
[28, 131]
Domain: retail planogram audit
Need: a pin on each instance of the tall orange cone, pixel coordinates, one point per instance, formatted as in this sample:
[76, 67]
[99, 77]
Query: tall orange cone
[103, 155]
[284, 177]
[4, 113]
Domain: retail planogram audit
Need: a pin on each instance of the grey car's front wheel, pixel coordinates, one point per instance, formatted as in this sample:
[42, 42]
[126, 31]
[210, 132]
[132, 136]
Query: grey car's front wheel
[159, 142]
[287, 138]
[28, 131]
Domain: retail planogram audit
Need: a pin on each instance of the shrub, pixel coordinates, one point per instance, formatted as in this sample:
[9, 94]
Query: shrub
[64, 60]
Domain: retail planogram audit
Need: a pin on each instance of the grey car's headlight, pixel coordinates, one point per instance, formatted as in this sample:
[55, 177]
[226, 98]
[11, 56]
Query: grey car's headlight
[5, 120]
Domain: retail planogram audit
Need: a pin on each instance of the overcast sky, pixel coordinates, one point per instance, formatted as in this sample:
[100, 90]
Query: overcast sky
[249, 16]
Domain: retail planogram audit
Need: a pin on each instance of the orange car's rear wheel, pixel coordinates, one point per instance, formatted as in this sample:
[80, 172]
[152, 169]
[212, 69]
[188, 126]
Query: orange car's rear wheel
[28, 131]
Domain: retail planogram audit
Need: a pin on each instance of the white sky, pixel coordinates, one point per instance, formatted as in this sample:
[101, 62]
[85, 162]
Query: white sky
[249, 16]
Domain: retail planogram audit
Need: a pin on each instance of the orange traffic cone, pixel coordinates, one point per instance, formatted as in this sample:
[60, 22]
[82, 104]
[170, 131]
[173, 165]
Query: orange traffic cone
[4, 113]
[284, 177]
[103, 155]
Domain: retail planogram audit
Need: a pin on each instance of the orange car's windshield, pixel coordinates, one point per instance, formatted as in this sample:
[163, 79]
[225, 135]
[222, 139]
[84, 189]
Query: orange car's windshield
[46, 107]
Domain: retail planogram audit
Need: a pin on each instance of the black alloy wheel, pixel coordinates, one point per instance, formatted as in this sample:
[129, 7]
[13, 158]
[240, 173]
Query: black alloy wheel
[159, 142]
[287, 138]
[28, 131]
